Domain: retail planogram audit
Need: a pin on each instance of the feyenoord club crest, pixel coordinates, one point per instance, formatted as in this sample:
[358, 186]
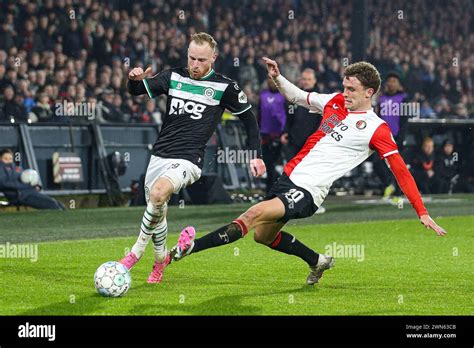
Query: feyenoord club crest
[361, 124]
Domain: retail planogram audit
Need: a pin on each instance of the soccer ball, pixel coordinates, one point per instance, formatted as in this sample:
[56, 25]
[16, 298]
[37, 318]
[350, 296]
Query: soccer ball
[30, 177]
[112, 279]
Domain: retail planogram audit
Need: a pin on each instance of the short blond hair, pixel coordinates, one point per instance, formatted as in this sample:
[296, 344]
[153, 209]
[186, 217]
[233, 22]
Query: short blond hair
[203, 38]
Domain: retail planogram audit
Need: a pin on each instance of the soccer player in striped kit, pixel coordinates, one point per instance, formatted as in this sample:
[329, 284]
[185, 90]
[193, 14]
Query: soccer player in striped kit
[349, 133]
[197, 97]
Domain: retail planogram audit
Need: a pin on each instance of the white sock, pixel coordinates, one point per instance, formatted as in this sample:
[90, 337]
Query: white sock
[152, 220]
[159, 241]
[139, 247]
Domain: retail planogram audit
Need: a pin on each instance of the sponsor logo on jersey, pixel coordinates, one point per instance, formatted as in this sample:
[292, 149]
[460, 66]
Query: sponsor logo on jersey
[361, 124]
[329, 123]
[333, 126]
[335, 106]
[180, 107]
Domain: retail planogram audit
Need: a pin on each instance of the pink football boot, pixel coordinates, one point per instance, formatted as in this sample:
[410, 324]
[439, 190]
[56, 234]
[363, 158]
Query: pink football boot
[130, 260]
[158, 268]
[185, 243]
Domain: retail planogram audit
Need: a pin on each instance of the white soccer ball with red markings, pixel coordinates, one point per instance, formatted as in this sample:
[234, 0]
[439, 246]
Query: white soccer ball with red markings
[112, 279]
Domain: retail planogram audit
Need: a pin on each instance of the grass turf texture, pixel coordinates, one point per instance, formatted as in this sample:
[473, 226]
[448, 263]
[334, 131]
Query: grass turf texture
[406, 269]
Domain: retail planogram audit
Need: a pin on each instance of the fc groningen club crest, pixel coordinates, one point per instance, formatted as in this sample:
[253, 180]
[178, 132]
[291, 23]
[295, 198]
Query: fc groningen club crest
[209, 92]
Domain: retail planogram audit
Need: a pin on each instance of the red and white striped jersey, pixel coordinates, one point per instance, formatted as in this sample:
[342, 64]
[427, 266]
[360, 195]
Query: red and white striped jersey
[343, 141]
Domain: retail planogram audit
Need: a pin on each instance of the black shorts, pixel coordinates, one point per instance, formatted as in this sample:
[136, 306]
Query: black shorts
[298, 202]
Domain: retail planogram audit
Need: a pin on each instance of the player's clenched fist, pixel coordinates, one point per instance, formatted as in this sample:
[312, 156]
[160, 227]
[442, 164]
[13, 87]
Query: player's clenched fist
[272, 67]
[138, 74]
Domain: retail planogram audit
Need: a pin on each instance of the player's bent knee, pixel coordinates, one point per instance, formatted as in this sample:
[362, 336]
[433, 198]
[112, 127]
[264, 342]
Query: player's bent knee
[159, 196]
[161, 191]
[251, 216]
[261, 238]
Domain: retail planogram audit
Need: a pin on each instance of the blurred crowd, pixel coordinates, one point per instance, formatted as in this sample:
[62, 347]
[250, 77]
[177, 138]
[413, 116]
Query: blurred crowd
[436, 171]
[55, 52]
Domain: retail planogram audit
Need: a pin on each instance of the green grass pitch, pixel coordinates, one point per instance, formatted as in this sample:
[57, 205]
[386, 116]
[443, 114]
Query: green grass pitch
[404, 270]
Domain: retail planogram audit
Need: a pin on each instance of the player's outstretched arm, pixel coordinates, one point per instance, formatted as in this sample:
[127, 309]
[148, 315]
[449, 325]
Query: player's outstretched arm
[235, 100]
[257, 166]
[135, 77]
[292, 93]
[408, 186]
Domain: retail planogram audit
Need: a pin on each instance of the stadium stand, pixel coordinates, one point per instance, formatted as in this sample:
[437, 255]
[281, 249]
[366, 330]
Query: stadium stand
[55, 52]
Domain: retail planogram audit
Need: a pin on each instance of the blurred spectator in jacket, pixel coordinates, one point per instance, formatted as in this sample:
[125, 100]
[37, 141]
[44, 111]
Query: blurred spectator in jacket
[108, 111]
[13, 108]
[300, 123]
[272, 123]
[447, 168]
[391, 109]
[290, 67]
[42, 109]
[151, 114]
[422, 166]
[16, 191]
